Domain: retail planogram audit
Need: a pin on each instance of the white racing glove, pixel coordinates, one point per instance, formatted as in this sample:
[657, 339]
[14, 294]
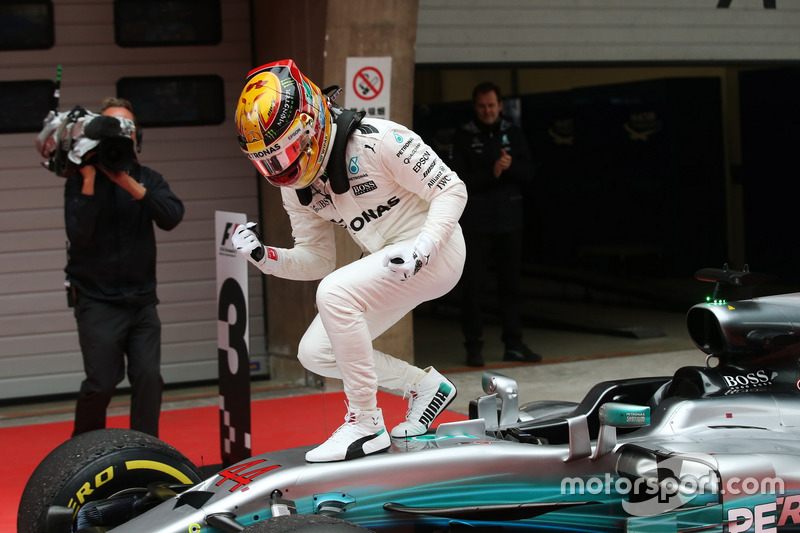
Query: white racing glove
[403, 261]
[249, 245]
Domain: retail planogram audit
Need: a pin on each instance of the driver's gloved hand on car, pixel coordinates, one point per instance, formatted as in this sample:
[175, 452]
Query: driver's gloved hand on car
[403, 261]
[249, 245]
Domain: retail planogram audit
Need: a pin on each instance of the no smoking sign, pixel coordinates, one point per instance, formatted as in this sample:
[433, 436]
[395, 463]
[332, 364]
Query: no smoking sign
[368, 85]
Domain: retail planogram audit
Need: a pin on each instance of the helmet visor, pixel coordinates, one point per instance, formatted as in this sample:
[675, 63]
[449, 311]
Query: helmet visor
[279, 157]
[287, 178]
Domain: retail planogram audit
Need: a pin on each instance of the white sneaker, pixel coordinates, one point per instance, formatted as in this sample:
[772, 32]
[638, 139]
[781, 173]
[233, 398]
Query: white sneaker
[362, 433]
[429, 397]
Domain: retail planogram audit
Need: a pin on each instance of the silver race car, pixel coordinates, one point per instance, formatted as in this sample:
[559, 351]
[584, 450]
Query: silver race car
[710, 448]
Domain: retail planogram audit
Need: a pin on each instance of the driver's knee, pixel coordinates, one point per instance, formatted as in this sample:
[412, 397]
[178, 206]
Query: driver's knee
[315, 354]
[334, 299]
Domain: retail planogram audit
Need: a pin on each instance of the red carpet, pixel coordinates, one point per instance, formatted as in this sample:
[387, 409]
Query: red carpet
[276, 424]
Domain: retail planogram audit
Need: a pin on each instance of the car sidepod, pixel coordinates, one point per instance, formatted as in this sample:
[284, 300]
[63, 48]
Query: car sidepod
[427, 483]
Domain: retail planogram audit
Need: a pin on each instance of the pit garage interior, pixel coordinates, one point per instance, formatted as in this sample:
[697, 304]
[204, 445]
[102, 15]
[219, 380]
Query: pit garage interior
[643, 174]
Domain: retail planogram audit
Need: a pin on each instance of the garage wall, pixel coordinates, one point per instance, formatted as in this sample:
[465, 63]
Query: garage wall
[524, 31]
[39, 353]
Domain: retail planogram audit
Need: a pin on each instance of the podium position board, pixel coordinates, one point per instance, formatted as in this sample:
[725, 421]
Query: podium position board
[233, 343]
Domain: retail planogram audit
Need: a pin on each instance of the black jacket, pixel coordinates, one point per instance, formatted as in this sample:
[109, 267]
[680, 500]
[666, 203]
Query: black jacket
[495, 204]
[112, 245]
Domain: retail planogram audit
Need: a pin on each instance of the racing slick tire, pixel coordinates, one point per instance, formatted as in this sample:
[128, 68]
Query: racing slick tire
[93, 466]
[304, 523]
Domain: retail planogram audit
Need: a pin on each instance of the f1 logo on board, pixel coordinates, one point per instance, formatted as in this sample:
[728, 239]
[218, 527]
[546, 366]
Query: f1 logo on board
[226, 233]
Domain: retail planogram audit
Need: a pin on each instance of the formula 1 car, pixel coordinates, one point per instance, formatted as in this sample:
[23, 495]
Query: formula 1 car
[710, 448]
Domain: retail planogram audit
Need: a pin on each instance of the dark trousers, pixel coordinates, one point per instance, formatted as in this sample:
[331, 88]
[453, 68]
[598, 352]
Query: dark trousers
[498, 254]
[107, 333]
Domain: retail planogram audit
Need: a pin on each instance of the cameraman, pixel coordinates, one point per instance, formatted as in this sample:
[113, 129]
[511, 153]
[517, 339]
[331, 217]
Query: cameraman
[111, 272]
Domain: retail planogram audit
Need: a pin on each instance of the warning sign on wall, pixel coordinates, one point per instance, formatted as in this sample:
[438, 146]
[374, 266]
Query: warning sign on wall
[368, 87]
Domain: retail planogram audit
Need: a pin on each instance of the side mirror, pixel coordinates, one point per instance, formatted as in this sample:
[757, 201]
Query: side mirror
[624, 415]
[500, 390]
[615, 415]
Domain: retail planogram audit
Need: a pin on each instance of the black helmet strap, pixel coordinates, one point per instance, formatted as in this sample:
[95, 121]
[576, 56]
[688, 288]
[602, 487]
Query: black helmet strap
[336, 170]
[346, 122]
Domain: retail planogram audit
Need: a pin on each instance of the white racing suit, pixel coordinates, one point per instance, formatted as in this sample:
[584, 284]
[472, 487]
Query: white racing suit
[398, 188]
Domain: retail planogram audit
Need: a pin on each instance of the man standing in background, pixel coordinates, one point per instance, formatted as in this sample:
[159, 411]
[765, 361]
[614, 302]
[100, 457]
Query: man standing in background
[491, 156]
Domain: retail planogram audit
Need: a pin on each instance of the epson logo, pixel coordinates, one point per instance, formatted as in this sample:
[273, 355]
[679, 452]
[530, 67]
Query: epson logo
[294, 134]
[363, 188]
[264, 153]
[422, 160]
[745, 380]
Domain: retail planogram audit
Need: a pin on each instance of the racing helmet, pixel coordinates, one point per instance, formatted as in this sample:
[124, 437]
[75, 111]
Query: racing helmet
[284, 124]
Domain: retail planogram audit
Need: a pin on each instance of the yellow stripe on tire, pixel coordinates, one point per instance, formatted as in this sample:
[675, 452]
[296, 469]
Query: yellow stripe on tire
[161, 467]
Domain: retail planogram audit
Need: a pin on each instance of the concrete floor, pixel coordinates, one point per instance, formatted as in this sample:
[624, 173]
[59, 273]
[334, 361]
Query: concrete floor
[590, 344]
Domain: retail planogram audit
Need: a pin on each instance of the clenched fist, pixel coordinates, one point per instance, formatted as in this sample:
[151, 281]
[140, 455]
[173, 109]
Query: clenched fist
[249, 245]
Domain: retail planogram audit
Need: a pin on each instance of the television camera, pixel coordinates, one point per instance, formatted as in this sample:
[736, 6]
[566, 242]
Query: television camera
[72, 139]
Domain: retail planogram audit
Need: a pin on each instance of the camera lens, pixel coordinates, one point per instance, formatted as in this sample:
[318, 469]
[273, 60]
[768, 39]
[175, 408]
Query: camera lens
[116, 153]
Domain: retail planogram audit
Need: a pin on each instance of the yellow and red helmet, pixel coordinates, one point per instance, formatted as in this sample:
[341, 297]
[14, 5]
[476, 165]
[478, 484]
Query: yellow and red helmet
[284, 124]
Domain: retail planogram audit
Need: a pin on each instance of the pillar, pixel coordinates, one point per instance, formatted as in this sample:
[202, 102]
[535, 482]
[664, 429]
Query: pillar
[320, 36]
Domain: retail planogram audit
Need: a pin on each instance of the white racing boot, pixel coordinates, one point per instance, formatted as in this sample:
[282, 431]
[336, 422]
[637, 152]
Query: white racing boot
[429, 397]
[362, 433]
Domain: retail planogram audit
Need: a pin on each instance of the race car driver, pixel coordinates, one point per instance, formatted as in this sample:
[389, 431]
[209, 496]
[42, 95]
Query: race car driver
[397, 200]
